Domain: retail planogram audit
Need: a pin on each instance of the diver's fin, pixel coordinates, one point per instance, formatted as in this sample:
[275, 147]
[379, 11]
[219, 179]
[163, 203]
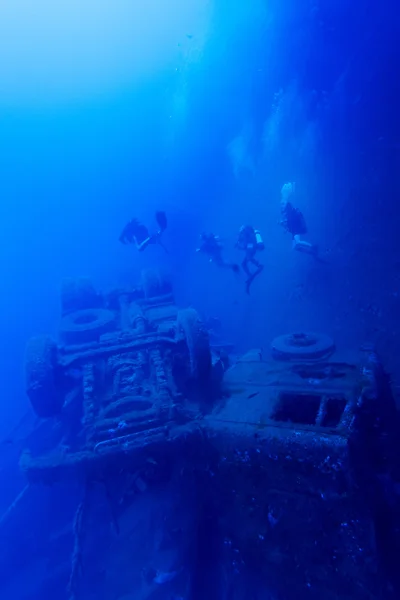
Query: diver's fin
[161, 219]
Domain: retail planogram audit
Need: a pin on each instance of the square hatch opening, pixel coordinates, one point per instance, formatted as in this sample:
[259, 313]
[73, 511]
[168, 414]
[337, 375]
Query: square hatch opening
[298, 408]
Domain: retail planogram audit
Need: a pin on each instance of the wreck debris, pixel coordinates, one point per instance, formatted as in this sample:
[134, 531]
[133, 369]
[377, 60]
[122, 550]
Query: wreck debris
[77, 553]
[135, 364]
[274, 447]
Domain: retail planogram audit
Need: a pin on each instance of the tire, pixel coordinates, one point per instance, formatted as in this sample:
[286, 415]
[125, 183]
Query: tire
[302, 346]
[88, 325]
[40, 377]
[198, 344]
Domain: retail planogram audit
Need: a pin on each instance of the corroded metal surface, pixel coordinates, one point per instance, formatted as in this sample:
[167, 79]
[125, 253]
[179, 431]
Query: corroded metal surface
[128, 385]
[271, 457]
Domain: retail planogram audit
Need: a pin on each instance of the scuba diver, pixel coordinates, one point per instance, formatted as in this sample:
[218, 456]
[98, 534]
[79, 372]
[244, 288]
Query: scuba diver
[250, 241]
[293, 221]
[136, 233]
[212, 246]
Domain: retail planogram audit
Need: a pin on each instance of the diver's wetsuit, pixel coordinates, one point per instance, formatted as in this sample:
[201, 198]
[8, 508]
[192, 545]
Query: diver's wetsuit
[293, 220]
[212, 246]
[136, 233]
[248, 242]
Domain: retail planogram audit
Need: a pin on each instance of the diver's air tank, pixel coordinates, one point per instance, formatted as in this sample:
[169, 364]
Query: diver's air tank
[259, 240]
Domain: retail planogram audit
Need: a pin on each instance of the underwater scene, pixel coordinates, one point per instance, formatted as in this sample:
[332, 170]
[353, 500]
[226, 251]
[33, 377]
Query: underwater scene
[200, 314]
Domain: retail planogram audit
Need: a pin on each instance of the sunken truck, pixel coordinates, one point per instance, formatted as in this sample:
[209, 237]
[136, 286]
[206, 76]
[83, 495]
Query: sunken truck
[118, 379]
[267, 451]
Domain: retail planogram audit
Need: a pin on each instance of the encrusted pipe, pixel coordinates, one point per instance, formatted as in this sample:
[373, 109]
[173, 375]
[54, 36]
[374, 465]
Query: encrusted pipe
[322, 411]
[89, 400]
[163, 390]
[77, 553]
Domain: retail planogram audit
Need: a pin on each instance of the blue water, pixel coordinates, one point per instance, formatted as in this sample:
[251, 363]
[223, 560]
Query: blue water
[110, 111]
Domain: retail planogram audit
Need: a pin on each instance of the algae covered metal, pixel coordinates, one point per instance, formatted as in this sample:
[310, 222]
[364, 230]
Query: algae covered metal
[116, 381]
[252, 466]
[294, 506]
